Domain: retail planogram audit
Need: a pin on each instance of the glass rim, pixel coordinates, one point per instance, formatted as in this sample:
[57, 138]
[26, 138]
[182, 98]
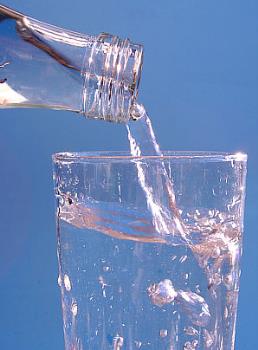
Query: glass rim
[126, 156]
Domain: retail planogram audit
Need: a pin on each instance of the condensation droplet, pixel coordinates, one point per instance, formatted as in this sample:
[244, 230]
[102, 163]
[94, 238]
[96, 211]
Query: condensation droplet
[226, 313]
[67, 283]
[163, 333]
[59, 280]
[74, 308]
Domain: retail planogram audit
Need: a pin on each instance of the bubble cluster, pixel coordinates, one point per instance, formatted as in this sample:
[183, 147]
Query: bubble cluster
[191, 345]
[191, 331]
[195, 307]
[193, 304]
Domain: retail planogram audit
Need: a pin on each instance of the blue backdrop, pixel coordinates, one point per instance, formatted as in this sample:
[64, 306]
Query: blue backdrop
[200, 85]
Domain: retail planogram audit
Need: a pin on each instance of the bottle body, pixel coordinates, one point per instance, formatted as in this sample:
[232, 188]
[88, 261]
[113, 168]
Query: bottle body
[45, 66]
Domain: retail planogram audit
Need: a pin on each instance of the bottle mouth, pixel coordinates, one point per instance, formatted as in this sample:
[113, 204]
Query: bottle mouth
[112, 74]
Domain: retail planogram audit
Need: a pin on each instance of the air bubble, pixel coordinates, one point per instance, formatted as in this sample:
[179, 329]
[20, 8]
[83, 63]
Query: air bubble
[191, 345]
[188, 346]
[162, 293]
[138, 344]
[191, 331]
[195, 343]
[118, 342]
[106, 268]
[103, 285]
[183, 259]
[208, 338]
[215, 280]
[197, 289]
[215, 253]
[163, 333]
[227, 280]
[137, 111]
[74, 309]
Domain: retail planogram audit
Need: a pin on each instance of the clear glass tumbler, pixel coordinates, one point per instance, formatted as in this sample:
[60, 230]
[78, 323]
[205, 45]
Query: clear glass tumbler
[126, 284]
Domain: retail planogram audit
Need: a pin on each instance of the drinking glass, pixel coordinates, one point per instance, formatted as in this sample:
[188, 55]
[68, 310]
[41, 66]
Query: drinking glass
[149, 249]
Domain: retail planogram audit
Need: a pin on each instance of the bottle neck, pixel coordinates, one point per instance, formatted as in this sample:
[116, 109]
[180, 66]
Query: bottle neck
[51, 67]
[113, 66]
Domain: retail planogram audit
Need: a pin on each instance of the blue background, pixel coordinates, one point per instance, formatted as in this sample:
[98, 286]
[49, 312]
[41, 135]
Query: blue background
[200, 85]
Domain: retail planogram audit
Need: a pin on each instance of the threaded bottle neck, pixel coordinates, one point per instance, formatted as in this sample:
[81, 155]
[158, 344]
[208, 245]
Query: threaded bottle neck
[111, 71]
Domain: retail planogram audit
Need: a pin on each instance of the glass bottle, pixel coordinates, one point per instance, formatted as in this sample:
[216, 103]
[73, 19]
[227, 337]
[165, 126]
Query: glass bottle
[45, 66]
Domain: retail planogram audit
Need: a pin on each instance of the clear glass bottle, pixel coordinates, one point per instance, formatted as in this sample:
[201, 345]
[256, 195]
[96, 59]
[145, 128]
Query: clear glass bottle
[45, 66]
